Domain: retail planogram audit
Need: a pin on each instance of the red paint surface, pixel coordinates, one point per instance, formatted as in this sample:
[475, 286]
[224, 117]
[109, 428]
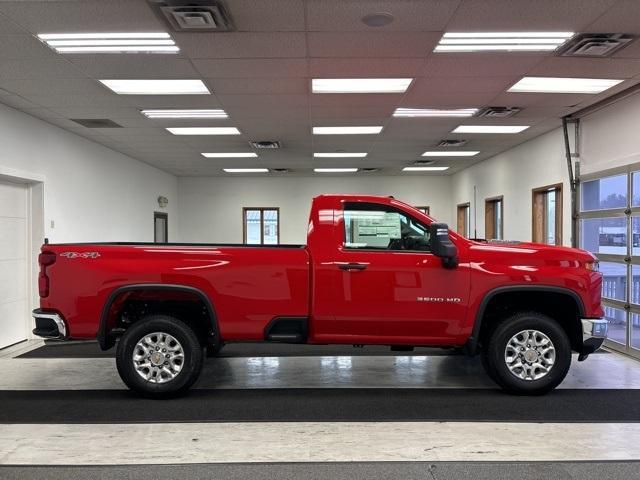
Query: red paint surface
[250, 286]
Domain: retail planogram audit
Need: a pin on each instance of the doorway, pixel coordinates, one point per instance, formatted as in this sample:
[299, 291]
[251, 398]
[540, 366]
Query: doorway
[160, 227]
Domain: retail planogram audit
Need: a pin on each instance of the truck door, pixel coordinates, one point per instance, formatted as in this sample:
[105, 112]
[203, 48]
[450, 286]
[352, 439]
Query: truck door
[387, 286]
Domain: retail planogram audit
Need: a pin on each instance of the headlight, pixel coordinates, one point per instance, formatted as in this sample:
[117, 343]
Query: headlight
[593, 266]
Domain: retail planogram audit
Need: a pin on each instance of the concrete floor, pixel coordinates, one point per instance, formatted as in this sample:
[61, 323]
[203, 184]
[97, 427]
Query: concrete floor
[321, 449]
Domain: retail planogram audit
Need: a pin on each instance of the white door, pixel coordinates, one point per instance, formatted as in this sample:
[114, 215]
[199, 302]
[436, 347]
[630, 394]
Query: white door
[14, 304]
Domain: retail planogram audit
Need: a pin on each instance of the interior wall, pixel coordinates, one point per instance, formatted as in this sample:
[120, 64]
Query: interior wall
[210, 208]
[609, 137]
[514, 174]
[91, 193]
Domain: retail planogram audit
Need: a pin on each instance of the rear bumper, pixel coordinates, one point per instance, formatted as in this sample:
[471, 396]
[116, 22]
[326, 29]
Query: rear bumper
[49, 325]
[594, 333]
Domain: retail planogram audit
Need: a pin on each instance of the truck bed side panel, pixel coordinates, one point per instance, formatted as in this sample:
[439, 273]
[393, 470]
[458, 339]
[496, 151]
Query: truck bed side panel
[247, 286]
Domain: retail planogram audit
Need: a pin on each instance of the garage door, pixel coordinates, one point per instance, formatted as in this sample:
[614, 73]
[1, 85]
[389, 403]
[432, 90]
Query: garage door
[13, 263]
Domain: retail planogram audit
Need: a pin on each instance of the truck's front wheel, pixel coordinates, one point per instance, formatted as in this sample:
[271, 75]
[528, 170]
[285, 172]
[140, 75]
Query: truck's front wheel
[528, 354]
[159, 356]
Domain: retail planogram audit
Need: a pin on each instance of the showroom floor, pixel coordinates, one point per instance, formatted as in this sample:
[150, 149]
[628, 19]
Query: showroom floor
[406, 416]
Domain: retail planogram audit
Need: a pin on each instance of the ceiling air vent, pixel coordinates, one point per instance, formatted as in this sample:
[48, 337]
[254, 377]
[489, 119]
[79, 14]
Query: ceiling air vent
[595, 44]
[96, 122]
[423, 163]
[452, 143]
[280, 170]
[265, 144]
[370, 170]
[194, 15]
[498, 112]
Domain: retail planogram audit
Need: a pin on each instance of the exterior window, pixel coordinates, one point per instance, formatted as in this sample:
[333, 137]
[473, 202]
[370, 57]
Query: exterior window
[494, 215]
[378, 227]
[424, 209]
[609, 227]
[463, 226]
[547, 215]
[261, 226]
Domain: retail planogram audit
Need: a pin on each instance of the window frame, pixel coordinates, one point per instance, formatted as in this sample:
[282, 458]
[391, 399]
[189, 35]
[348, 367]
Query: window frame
[357, 206]
[426, 209]
[543, 191]
[261, 210]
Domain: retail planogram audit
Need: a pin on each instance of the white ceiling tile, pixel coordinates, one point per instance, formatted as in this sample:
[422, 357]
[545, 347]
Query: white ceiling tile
[242, 44]
[423, 87]
[252, 67]
[49, 16]
[38, 68]
[265, 86]
[44, 86]
[18, 102]
[365, 67]
[8, 27]
[587, 67]
[97, 112]
[526, 15]
[350, 111]
[170, 101]
[441, 99]
[379, 44]
[623, 17]
[265, 103]
[72, 100]
[409, 15]
[630, 51]
[23, 46]
[539, 99]
[133, 66]
[476, 65]
[267, 15]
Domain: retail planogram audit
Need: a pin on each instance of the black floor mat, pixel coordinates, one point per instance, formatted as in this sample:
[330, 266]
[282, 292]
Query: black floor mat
[92, 350]
[320, 405]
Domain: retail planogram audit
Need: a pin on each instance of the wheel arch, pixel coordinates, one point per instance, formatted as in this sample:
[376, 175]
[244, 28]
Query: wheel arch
[514, 292]
[106, 341]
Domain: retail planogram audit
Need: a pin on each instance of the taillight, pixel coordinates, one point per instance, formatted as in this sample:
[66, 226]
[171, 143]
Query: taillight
[45, 259]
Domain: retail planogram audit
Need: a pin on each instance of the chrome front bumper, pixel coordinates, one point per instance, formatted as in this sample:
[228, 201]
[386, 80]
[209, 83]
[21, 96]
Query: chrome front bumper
[49, 325]
[594, 333]
[594, 328]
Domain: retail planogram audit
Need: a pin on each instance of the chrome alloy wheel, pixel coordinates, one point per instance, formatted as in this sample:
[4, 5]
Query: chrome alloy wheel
[530, 355]
[158, 357]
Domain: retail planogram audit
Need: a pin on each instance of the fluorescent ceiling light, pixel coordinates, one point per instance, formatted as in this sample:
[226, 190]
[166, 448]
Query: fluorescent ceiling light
[156, 87]
[230, 155]
[467, 153]
[424, 169]
[204, 130]
[211, 113]
[346, 130]
[434, 112]
[154, 42]
[341, 155]
[490, 128]
[246, 170]
[501, 41]
[563, 85]
[360, 85]
[335, 170]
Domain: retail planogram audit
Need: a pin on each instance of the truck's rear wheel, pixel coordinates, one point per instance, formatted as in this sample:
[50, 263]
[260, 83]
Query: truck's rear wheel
[159, 356]
[528, 354]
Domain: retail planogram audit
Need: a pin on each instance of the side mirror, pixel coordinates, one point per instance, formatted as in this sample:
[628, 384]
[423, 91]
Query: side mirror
[442, 246]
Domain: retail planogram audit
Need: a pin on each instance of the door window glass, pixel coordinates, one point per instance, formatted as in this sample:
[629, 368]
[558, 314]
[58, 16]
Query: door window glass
[377, 227]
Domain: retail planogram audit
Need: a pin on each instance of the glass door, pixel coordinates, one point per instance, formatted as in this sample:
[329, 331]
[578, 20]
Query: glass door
[609, 227]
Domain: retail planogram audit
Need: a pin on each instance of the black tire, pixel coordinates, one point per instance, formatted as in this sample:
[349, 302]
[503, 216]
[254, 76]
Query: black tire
[191, 364]
[495, 363]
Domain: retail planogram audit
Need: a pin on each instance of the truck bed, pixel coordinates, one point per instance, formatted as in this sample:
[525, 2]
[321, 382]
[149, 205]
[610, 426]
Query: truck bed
[248, 285]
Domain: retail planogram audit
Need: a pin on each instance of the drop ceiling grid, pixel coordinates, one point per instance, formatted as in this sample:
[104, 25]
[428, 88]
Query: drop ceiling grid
[321, 38]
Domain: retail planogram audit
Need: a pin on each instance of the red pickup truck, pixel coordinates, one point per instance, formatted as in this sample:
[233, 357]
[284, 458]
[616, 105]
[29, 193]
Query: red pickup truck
[374, 271]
